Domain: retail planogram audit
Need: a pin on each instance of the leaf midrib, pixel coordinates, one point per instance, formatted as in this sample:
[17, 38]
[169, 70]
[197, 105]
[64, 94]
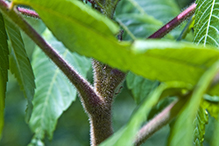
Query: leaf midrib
[209, 21]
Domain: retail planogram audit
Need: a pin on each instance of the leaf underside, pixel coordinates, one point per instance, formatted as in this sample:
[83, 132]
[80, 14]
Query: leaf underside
[54, 92]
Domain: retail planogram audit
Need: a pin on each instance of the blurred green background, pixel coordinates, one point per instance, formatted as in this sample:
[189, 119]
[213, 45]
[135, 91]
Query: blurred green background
[73, 125]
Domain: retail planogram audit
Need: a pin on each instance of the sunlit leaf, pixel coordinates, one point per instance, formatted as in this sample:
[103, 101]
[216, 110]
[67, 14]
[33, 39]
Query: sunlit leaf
[4, 65]
[54, 92]
[155, 60]
[20, 65]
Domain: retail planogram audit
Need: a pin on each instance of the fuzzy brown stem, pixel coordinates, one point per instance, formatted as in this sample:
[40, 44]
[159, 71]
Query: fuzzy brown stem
[100, 126]
[174, 22]
[160, 120]
[106, 81]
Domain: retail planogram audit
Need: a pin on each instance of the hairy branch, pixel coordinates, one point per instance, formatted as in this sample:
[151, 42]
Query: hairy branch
[86, 91]
[174, 22]
[160, 120]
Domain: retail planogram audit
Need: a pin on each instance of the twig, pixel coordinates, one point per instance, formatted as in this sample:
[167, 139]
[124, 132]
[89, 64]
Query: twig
[160, 120]
[28, 12]
[174, 22]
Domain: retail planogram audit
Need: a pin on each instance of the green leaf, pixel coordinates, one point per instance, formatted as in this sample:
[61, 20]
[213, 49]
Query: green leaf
[140, 26]
[168, 9]
[149, 20]
[74, 12]
[207, 22]
[152, 59]
[140, 86]
[167, 61]
[200, 122]
[163, 10]
[126, 135]
[162, 104]
[20, 65]
[4, 65]
[54, 92]
[182, 131]
[81, 28]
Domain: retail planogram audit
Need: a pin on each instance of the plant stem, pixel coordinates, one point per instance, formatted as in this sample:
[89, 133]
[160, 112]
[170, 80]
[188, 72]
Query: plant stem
[174, 22]
[90, 98]
[106, 81]
[28, 12]
[160, 120]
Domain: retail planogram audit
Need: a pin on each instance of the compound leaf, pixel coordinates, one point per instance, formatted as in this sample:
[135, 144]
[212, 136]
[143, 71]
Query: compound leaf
[207, 22]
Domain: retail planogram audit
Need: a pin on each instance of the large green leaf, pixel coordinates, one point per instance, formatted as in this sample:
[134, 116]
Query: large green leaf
[140, 86]
[4, 65]
[126, 135]
[207, 22]
[20, 65]
[54, 93]
[182, 131]
[155, 60]
[83, 15]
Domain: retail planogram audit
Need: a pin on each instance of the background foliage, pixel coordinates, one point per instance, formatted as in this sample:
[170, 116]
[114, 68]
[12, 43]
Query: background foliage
[76, 130]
